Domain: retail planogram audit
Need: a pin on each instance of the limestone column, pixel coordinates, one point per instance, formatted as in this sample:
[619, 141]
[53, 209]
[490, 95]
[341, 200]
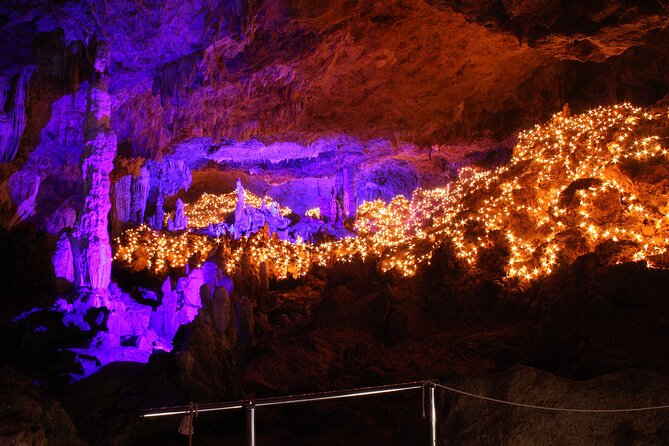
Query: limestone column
[91, 249]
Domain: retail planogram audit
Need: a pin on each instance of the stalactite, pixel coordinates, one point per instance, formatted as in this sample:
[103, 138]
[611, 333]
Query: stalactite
[13, 113]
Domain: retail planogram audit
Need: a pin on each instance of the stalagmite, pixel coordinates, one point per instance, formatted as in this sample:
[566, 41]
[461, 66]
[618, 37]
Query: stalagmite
[63, 267]
[180, 220]
[122, 199]
[156, 220]
[140, 192]
[242, 217]
[90, 238]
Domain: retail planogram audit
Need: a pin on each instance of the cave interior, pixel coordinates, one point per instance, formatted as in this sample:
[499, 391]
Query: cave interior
[225, 200]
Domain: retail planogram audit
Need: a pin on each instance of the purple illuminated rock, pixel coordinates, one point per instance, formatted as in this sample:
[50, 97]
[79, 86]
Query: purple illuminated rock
[12, 112]
[179, 305]
[62, 218]
[168, 177]
[140, 193]
[23, 188]
[164, 319]
[242, 217]
[122, 198]
[156, 220]
[345, 193]
[90, 238]
[130, 197]
[179, 221]
[61, 142]
[63, 265]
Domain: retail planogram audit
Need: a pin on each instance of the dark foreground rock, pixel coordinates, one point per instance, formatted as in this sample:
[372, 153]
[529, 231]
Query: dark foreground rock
[469, 421]
[29, 419]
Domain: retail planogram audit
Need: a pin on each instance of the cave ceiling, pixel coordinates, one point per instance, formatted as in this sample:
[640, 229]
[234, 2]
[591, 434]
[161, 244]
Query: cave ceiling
[428, 72]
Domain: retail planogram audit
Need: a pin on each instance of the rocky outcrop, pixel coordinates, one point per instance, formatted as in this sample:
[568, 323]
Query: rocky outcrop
[242, 218]
[13, 93]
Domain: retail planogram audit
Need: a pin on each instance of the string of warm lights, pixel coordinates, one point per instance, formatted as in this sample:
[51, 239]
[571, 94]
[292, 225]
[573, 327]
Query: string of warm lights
[564, 192]
[313, 213]
[214, 209]
[159, 250]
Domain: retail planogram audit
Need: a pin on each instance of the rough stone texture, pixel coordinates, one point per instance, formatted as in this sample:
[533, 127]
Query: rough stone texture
[221, 310]
[24, 187]
[179, 221]
[122, 198]
[140, 193]
[29, 419]
[90, 237]
[570, 29]
[290, 93]
[62, 218]
[13, 112]
[295, 71]
[468, 421]
[63, 264]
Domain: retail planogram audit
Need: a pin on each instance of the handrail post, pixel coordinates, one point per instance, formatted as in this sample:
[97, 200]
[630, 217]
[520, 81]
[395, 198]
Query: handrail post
[251, 424]
[432, 407]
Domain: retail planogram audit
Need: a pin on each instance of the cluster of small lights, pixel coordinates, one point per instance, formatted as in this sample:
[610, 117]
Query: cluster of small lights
[160, 249]
[565, 177]
[214, 209]
[314, 213]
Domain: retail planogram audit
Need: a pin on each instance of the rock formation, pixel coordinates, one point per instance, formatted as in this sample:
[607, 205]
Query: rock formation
[24, 187]
[63, 263]
[13, 112]
[28, 418]
[90, 236]
[242, 217]
[179, 220]
[122, 198]
[222, 309]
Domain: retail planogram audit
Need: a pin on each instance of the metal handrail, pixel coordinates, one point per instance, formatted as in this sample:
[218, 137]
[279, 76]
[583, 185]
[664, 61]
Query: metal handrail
[251, 405]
